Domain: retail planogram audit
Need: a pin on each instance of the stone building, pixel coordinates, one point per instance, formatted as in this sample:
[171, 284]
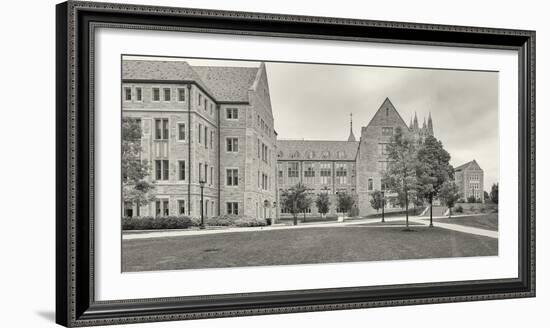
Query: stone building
[213, 124]
[469, 179]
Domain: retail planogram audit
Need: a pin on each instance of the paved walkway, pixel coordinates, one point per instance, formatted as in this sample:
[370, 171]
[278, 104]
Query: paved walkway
[418, 220]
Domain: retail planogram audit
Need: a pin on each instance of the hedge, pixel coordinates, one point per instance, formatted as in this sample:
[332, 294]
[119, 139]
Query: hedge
[153, 223]
[236, 221]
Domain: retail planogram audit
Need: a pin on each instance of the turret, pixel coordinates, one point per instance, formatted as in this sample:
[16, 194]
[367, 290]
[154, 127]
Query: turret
[430, 125]
[351, 135]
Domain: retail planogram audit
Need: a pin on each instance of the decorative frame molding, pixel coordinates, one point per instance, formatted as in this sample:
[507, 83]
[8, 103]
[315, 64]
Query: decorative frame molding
[75, 31]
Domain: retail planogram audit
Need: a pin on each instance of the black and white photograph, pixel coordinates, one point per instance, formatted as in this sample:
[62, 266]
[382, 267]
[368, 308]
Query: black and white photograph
[236, 163]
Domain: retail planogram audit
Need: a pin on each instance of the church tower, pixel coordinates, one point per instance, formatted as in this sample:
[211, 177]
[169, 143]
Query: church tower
[351, 135]
[430, 125]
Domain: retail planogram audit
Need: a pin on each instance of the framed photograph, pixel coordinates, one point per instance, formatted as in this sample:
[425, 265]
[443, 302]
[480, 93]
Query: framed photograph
[215, 164]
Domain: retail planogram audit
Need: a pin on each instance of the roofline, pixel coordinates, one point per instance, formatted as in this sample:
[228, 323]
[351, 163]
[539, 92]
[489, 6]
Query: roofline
[398, 114]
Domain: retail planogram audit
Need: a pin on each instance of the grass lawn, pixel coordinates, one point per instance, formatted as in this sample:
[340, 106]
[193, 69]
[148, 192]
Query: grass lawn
[389, 223]
[308, 219]
[482, 221]
[300, 246]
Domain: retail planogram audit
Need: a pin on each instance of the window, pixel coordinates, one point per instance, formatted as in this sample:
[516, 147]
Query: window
[139, 95]
[232, 113]
[200, 99]
[205, 136]
[181, 170]
[181, 94]
[162, 207]
[205, 173]
[161, 169]
[211, 139]
[232, 177]
[232, 145]
[341, 173]
[325, 173]
[167, 94]
[382, 165]
[156, 94]
[128, 94]
[387, 131]
[161, 128]
[370, 184]
[181, 131]
[383, 149]
[181, 207]
[293, 170]
[205, 104]
[387, 111]
[211, 174]
[233, 208]
[200, 133]
[309, 174]
[200, 172]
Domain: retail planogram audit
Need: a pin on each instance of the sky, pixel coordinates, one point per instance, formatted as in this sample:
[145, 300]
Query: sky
[314, 102]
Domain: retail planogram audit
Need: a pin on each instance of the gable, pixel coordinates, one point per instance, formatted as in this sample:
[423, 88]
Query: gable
[387, 116]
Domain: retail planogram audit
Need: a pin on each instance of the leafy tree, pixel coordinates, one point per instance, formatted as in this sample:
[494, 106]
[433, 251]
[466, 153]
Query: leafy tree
[471, 199]
[401, 174]
[296, 200]
[448, 193]
[345, 202]
[486, 196]
[136, 189]
[433, 169]
[494, 193]
[323, 203]
[376, 200]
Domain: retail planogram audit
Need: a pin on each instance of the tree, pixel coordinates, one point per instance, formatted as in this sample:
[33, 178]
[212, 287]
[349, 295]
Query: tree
[401, 173]
[448, 193]
[486, 196]
[136, 189]
[323, 203]
[494, 193]
[471, 199]
[433, 169]
[295, 200]
[376, 200]
[345, 202]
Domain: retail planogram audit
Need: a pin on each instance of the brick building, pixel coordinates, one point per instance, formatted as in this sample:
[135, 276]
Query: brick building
[469, 179]
[216, 124]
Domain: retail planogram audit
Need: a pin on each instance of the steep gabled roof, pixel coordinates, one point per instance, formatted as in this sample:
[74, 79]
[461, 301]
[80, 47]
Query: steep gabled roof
[473, 165]
[328, 150]
[230, 84]
[386, 104]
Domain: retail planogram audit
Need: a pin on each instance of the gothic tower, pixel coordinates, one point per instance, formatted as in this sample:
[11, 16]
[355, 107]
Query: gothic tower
[351, 135]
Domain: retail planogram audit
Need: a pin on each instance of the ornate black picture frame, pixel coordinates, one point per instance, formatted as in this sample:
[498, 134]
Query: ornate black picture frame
[75, 301]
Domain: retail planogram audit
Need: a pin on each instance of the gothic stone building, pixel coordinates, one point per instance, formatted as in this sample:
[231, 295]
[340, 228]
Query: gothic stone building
[215, 124]
[469, 179]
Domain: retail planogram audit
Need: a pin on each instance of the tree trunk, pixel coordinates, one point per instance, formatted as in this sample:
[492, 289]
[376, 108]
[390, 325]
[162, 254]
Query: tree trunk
[407, 208]
[431, 210]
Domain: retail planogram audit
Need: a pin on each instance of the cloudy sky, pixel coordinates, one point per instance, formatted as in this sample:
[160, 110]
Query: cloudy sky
[313, 101]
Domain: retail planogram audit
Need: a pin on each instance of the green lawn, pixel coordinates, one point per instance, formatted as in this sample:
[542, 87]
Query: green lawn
[482, 221]
[300, 246]
[389, 223]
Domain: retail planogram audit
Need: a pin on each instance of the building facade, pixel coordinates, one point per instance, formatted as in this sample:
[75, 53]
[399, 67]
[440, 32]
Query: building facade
[210, 124]
[215, 125]
[469, 179]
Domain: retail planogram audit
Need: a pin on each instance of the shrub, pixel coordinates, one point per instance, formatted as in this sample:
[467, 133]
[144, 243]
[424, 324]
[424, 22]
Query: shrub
[154, 223]
[459, 209]
[250, 222]
[221, 221]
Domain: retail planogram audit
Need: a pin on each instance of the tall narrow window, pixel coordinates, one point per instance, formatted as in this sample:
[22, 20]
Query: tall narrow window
[156, 94]
[167, 94]
[200, 133]
[181, 94]
[181, 170]
[200, 99]
[181, 131]
[139, 95]
[181, 207]
[232, 177]
[205, 173]
[211, 139]
[325, 173]
[161, 128]
[165, 169]
[341, 173]
[166, 207]
[205, 136]
[200, 172]
[370, 184]
[158, 169]
[127, 94]
[211, 174]
[232, 145]
[158, 208]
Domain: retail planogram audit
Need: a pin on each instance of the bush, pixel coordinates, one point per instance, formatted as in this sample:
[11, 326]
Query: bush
[235, 221]
[459, 209]
[154, 223]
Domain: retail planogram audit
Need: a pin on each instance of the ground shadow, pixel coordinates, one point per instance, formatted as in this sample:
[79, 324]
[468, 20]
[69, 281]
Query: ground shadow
[48, 315]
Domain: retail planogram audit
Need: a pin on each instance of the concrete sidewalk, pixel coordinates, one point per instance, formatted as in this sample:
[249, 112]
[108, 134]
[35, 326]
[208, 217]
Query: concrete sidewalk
[420, 222]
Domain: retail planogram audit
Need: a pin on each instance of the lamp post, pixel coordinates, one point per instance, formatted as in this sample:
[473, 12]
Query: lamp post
[202, 182]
